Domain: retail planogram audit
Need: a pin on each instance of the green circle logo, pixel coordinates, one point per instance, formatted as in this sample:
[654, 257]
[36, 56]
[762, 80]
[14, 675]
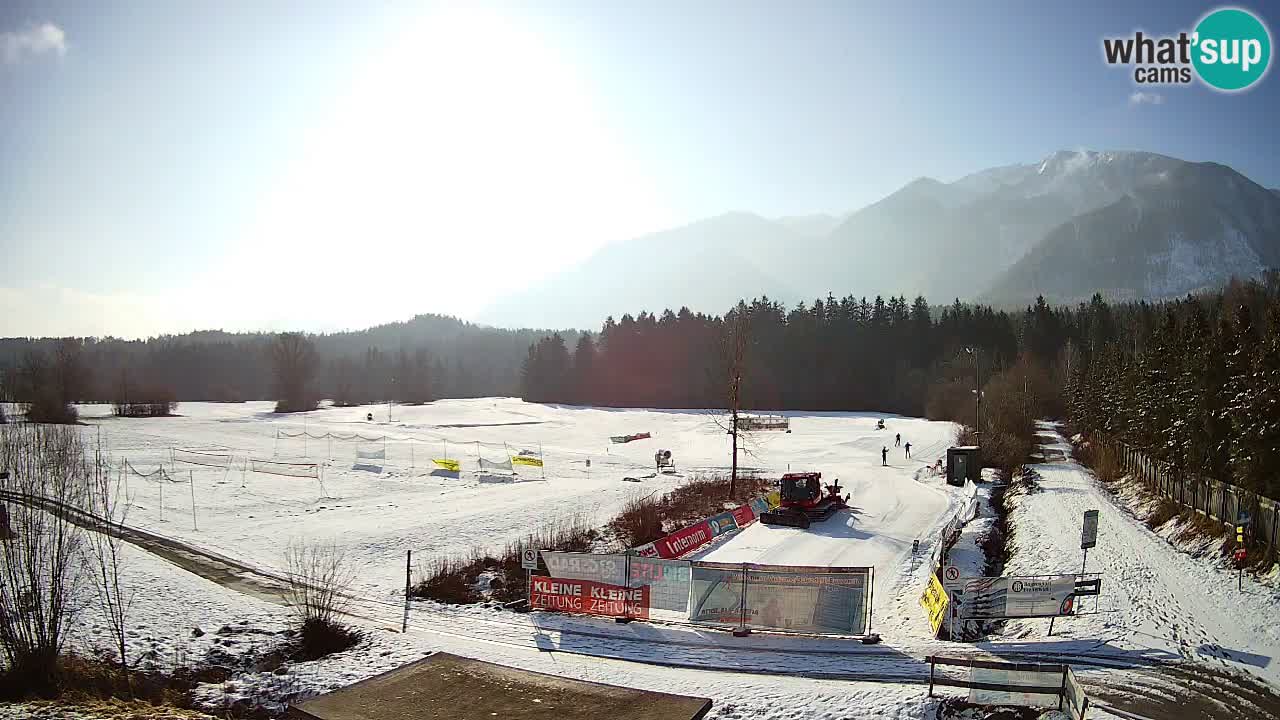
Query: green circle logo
[1232, 49]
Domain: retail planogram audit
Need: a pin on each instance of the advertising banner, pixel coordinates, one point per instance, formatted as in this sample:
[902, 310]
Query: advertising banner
[716, 594]
[647, 550]
[1014, 597]
[808, 600]
[526, 460]
[668, 582]
[934, 601]
[759, 506]
[609, 569]
[448, 464]
[744, 515]
[683, 541]
[722, 523]
[588, 598]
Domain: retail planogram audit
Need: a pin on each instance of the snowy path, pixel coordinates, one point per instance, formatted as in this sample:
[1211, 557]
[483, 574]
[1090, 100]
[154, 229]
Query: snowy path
[1154, 596]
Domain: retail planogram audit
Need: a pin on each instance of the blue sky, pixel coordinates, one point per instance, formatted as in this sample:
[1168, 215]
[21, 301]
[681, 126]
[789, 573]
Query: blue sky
[167, 166]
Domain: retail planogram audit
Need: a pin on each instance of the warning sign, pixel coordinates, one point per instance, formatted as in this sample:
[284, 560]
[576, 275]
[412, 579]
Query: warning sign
[529, 559]
[934, 601]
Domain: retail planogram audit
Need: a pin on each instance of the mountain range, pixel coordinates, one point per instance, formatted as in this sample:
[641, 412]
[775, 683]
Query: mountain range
[1126, 224]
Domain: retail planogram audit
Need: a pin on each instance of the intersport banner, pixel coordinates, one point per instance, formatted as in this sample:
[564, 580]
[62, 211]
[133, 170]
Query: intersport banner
[684, 541]
[704, 531]
[588, 598]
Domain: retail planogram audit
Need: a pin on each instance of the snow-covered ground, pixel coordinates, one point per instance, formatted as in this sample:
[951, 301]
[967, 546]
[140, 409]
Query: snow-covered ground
[1155, 598]
[377, 513]
[376, 516]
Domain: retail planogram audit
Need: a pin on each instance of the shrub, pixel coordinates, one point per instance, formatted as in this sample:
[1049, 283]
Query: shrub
[319, 582]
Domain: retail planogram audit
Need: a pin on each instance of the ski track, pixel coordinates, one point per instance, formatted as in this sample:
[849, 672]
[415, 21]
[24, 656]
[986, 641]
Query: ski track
[1154, 595]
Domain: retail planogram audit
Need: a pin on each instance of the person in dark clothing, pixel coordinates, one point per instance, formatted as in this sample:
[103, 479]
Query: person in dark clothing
[884, 456]
[907, 447]
[897, 439]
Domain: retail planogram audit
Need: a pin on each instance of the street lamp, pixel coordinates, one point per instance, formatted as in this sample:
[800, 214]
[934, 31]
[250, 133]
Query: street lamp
[977, 387]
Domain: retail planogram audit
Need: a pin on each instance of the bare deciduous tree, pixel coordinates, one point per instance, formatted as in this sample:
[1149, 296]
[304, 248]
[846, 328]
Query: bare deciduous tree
[294, 359]
[41, 569]
[733, 351]
[104, 553]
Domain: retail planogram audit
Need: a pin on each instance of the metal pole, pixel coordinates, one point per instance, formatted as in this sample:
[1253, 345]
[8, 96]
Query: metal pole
[192, 478]
[408, 564]
[543, 458]
[1085, 561]
[742, 603]
[1051, 619]
[161, 495]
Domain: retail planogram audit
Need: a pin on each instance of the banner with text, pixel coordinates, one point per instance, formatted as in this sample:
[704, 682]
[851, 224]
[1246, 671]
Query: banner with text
[1015, 597]
[588, 598]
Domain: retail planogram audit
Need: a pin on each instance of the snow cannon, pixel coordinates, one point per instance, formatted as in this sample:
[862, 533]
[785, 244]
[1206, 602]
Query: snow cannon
[802, 501]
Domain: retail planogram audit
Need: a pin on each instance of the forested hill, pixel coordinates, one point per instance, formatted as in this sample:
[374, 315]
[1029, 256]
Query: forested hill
[454, 358]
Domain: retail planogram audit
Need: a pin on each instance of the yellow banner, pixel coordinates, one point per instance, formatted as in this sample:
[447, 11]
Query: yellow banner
[934, 600]
[526, 460]
[448, 464]
[774, 498]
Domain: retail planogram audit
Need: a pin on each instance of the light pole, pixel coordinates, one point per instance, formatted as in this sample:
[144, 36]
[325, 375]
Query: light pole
[977, 387]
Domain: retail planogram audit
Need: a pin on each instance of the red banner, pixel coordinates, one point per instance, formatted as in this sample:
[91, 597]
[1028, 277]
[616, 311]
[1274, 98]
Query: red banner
[588, 598]
[684, 541]
[744, 515]
[648, 550]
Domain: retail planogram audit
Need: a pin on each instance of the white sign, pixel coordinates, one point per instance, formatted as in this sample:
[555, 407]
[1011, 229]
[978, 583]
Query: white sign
[951, 574]
[1017, 678]
[1010, 597]
[529, 559]
[1089, 535]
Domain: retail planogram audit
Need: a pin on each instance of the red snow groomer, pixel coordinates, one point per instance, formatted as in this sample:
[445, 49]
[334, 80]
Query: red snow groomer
[801, 501]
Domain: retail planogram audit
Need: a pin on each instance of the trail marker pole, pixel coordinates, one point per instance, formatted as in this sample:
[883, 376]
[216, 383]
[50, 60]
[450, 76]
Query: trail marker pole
[543, 458]
[191, 477]
[275, 449]
[408, 564]
[161, 496]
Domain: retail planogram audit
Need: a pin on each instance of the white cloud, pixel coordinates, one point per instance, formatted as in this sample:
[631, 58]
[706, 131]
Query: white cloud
[34, 40]
[1146, 98]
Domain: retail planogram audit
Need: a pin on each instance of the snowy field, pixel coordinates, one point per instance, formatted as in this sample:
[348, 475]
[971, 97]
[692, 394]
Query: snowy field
[378, 509]
[1159, 604]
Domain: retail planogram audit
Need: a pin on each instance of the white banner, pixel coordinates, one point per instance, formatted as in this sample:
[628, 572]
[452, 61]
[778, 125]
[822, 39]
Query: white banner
[1013, 597]
[379, 454]
[491, 465]
[1021, 678]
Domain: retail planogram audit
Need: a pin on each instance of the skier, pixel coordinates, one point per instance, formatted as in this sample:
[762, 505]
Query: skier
[884, 456]
[907, 447]
[897, 439]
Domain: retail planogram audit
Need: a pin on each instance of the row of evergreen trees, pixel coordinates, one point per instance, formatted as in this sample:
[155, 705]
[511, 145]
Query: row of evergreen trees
[833, 354]
[1194, 383]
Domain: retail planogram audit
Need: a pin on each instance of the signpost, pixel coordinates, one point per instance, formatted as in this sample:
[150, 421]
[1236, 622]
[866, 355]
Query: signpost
[1088, 536]
[528, 561]
[1240, 554]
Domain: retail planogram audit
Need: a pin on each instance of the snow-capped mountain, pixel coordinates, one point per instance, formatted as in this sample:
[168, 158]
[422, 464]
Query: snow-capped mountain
[1128, 224]
[1191, 227]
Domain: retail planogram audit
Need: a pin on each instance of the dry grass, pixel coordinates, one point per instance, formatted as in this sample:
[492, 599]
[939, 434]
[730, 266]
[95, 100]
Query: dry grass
[111, 709]
[454, 578]
[646, 518]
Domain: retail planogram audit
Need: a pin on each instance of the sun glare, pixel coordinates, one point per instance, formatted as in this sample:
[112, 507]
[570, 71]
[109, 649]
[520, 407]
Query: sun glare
[466, 142]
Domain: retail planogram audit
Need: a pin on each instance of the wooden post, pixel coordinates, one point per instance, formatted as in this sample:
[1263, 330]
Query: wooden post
[408, 564]
[543, 458]
[930, 676]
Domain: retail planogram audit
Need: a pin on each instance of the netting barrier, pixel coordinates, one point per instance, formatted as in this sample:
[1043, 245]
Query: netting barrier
[201, 457]
[273, 467]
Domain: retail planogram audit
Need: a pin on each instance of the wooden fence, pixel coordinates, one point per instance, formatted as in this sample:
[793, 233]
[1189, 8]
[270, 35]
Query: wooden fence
[1211, 498]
